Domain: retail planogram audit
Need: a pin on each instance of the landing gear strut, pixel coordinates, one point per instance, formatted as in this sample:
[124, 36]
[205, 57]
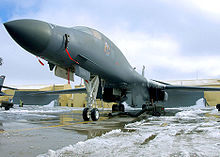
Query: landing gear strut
[92, 89]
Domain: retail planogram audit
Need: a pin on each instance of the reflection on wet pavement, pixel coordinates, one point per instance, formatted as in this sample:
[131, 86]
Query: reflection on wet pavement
[34, 130]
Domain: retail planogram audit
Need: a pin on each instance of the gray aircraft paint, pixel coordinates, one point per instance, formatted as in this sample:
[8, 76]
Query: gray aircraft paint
[94, 52]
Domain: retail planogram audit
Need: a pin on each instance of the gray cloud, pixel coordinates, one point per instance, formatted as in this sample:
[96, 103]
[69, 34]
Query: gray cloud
[159, 27]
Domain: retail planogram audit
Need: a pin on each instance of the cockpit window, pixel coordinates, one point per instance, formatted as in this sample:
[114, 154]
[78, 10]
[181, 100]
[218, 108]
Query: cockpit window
[89, 31]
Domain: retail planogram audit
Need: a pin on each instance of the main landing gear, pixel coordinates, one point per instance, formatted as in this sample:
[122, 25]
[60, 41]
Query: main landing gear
[151, 109]
[94, 114]
[156, 109]
[92, 89]
[116, 108]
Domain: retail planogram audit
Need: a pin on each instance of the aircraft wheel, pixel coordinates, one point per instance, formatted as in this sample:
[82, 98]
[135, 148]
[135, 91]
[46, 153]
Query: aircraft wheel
[121, 108]
[86, 115]
[157, 114]
[218, 107]
[144, 106]
[115, 107]
[7, 108]
[95, 114]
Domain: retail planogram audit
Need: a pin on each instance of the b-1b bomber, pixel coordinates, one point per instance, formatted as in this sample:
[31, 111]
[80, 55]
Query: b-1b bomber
[90, 55]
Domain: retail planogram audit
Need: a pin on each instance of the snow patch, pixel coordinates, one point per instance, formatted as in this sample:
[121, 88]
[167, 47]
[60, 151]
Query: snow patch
[187, 133]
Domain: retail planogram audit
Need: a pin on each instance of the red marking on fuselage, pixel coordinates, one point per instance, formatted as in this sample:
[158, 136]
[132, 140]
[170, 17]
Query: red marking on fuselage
[40, 61]
[86, 81]
[71, 57]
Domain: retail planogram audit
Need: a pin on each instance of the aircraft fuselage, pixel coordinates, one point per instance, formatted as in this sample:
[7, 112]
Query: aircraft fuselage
[87, 48]
[93, 51]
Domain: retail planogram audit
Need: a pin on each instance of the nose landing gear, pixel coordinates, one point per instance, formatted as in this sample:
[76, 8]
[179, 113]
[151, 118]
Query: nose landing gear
[92, 89]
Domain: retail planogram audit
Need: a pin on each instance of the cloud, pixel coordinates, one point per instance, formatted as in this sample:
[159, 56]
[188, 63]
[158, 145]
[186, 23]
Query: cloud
[208, 6]
[171, 38]
[139, 44]
[163, 52]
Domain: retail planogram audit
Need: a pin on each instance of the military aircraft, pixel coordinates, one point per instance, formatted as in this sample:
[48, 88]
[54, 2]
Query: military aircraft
[6, 104]
[92, 56]
[2, 78]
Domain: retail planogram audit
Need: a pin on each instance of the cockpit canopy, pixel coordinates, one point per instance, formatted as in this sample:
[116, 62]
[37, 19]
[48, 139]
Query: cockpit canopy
[89, 31]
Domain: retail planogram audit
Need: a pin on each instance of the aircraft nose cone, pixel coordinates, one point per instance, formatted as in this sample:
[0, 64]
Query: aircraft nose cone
[32, 35]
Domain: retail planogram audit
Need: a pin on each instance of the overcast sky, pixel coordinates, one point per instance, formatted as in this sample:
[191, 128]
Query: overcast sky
[173, 39]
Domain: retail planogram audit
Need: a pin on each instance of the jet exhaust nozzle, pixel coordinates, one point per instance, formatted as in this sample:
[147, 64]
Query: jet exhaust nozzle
[32, 35]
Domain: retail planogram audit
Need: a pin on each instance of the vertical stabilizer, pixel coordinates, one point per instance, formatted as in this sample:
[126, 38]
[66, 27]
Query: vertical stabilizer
[2, 78]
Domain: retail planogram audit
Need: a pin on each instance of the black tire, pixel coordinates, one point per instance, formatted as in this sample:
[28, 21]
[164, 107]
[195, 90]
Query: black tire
[218, 107]
[115, 108]
[144, 106]
[121, 108]
[95, 114]
[86, 114]
[7, 108]
[157, 114]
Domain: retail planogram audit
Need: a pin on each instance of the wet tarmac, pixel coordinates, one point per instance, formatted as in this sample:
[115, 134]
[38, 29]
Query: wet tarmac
[33, 130]
[29, 131]
[60, 131]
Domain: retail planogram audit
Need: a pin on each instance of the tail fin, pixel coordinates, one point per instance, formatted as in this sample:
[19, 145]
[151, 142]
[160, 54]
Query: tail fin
[2, 78]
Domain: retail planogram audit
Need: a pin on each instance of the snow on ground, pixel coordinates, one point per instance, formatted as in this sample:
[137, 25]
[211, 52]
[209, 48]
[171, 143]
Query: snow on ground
[34, 112]
[190, 132]
[40, 109]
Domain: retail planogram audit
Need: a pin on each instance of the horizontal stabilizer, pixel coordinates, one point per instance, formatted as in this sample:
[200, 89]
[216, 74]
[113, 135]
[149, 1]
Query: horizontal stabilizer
[8, 87]
[3, 94]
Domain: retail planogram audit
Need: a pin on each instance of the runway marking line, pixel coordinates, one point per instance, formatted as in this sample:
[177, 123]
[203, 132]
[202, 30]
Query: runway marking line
[52, 126]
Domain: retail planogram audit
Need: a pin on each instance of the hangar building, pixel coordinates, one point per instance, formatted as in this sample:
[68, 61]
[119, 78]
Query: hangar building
[79, 100]
[70, 100]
